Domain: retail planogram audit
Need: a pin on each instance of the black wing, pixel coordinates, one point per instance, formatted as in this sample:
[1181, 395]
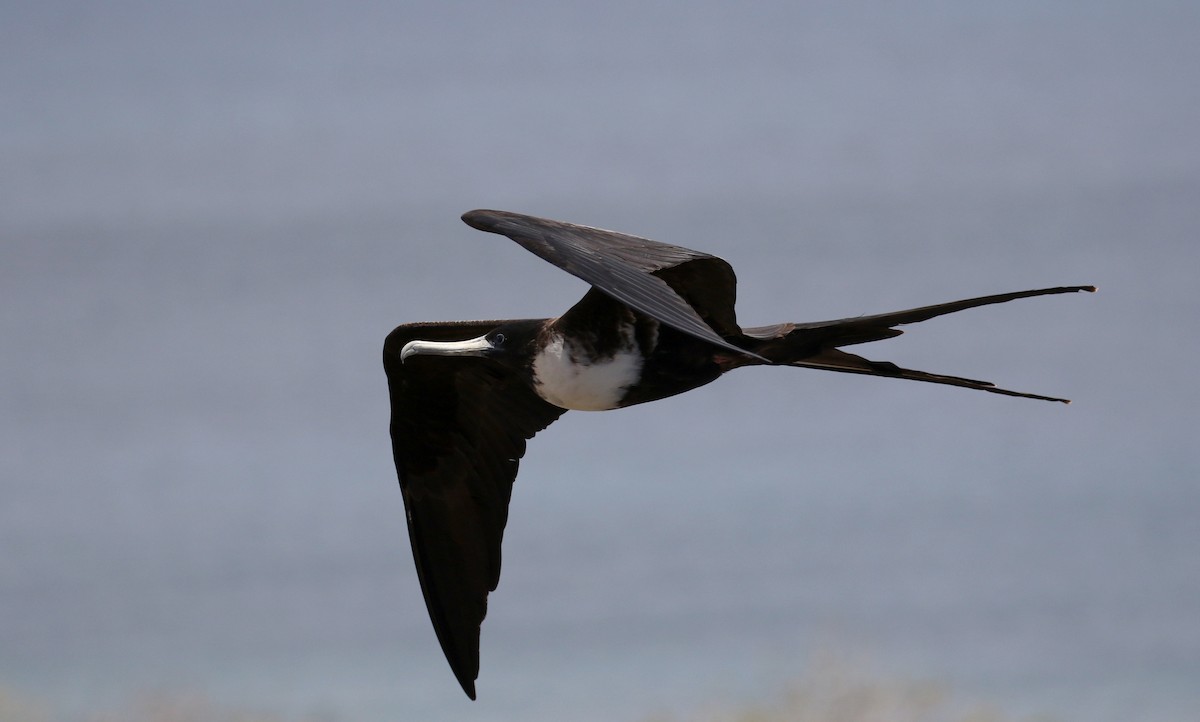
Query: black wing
[459, 427]
[690, 291]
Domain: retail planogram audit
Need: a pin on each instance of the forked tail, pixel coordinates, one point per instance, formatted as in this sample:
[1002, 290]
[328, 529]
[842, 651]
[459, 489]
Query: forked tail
[817, 345]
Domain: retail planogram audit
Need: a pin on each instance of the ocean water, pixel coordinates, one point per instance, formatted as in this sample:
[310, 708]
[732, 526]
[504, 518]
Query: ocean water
[211, 215]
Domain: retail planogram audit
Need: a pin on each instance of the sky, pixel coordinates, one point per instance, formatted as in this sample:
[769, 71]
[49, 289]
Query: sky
[211, 215]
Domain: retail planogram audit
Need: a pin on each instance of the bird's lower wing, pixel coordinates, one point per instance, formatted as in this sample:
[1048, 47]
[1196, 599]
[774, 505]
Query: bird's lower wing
[459, 427]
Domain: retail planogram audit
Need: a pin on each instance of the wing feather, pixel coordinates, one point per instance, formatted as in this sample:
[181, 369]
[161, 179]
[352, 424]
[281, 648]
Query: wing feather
[459, 427]
[645, 275]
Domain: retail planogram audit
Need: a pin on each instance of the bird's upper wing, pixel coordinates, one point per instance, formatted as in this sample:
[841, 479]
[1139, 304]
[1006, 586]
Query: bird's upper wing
[690, 291]
[459, 427]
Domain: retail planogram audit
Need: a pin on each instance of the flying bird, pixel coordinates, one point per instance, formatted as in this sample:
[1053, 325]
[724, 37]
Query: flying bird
[658, 320]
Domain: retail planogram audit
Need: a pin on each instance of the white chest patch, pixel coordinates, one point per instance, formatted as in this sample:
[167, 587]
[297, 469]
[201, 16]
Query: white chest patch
[566, 377]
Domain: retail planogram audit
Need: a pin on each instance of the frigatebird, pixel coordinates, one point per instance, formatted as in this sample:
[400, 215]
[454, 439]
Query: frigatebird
[658, 320]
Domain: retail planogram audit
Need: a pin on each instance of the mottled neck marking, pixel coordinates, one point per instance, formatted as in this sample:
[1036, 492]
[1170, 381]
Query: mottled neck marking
[566, 373]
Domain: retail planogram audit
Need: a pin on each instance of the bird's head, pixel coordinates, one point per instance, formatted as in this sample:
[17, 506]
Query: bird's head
[511, 343]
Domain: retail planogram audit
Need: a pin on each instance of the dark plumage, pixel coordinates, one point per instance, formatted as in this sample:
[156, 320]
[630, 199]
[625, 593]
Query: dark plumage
[659, 320]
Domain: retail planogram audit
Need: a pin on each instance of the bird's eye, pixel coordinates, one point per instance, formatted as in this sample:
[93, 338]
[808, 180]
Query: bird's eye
[498, 339]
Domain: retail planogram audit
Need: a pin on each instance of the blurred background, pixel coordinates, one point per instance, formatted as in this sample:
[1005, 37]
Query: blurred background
[212, 213]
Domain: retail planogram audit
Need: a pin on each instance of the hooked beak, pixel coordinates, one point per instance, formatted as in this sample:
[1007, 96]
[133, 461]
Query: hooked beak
[473, 347]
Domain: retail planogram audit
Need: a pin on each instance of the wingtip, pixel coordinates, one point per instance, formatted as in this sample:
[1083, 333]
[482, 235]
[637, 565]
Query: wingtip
[466, 676]
[480, 219]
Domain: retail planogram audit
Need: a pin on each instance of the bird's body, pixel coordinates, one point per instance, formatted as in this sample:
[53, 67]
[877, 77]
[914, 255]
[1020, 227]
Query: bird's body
[659, 320]
[572, 375]
[602, 355]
